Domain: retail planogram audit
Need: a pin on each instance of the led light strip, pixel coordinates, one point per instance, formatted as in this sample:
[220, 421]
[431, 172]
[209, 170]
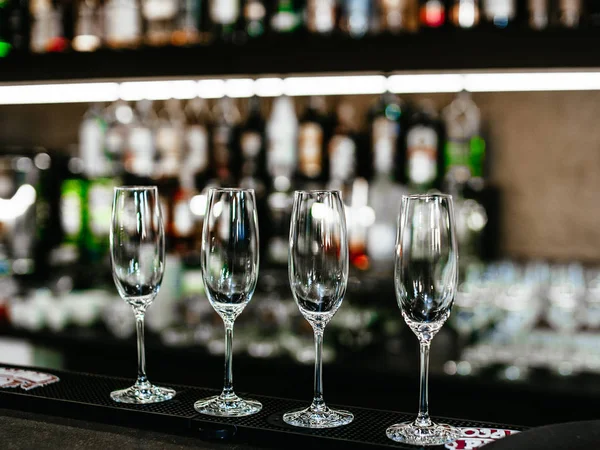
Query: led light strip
[85, 92]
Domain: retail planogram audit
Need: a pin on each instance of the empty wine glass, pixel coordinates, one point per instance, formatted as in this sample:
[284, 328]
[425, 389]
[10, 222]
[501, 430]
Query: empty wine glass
[426, 277]
[318, 272]
[230, 272]
[137, 250]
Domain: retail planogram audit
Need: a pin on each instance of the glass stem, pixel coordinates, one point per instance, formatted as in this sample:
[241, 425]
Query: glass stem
[423, 419]
[318, 402]
[141, 351]
[228, 383]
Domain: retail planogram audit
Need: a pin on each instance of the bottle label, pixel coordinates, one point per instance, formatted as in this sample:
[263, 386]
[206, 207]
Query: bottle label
[141, 152]
[357, 20]
[122, 21]
[342, 154]
[499, 9]
[465, 14]
[251, 142]
[100, 197]
[159, 9]
[433, 13]
[71, 209]
[321, 16]
[224, 12]
[422, 142]
[197, 142]
[254, 11]
[183, 219]
[310, 145]
[91, 142]
[385, 137]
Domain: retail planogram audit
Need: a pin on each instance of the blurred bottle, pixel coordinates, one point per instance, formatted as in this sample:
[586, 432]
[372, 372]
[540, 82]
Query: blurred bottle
[538, 14]
[255, 17]
[465, 13]
[92, 140]
[387, 130]
[189, 29]
[253, 172]
[569, 13]
[321, 16]
[226, 119]
[88, 27]
[225, 15]
[18, 24]
[286, 16]
[424, 149]
[464, 152]
[432, 13]
[5, 31]
[282, 135]
[499, 13]
[160, 18]
[196, 141]
[356, 17]
[592, 10]
[397, 16]
[314, 132]
[122, 24]
[47, 34]
[119, 117]
[140, 151]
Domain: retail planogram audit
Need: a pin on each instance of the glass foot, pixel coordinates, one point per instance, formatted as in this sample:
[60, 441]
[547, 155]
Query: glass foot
[227, 406]
[318, 417]
[434, 434]
[142, 393]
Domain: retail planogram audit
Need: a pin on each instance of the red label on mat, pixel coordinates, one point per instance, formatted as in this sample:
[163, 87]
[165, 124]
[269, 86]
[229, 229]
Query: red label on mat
[477, 437]
[25, 379]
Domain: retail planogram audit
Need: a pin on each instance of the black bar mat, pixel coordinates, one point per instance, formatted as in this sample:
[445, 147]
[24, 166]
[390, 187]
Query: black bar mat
[87, 396]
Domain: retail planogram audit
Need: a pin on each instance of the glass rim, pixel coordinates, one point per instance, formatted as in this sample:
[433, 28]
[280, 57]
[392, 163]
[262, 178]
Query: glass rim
[222, 189]
[426, 196]
[136, 188]
[316, 191]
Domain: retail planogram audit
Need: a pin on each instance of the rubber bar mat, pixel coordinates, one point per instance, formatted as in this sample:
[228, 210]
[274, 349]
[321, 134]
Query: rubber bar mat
[88, 396]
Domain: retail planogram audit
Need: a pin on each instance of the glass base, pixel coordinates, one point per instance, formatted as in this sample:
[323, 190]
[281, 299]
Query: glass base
[434, 434]
[142, 393]
[227, 406]
[318, 417]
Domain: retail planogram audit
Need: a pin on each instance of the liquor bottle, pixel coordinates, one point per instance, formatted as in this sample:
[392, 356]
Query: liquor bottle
[184, 226]
[226, 118]
[387, 130]
[46, 28]
[141, 148]
[321, 16]
[73, 211]
[5, 35]
[432, 13]
[569, 13]
[397, 16]
[122, 24]
[225, 15]
[189, 29]
[87, 27]
[119, 117]
[465, 13]
[592, 10]
[538, 14]
[160, 17]
[499, 13]
[253, 172]
[92, 140]
[286, 16]
[424, 149]
[356, 17]
[19, 25]
[255, 18]
[314, 133]
[464, 152]
[282, 134]
[196, 141]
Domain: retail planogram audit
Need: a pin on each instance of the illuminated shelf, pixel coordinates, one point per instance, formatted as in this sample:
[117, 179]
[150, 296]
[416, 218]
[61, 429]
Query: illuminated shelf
[448, 50]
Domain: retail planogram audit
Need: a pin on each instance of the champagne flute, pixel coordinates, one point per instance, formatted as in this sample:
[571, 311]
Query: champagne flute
[318, 271]
[426, 277]
[230, 272]
[137, 250]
